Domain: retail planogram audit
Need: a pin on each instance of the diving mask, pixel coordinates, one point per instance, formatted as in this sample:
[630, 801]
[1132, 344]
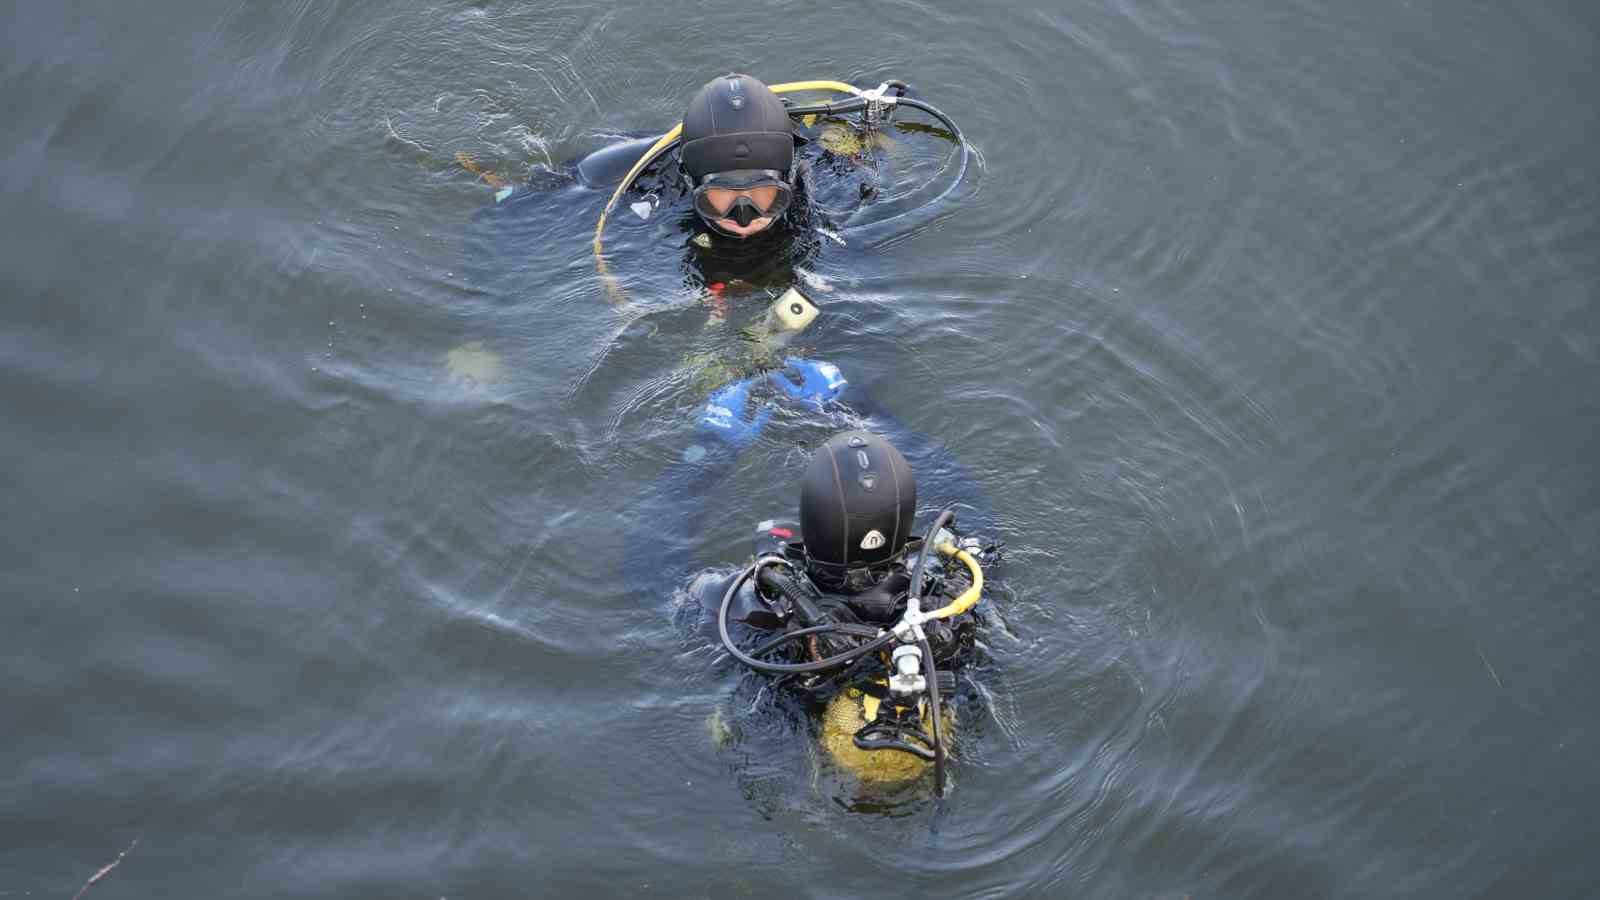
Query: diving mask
[742, 196]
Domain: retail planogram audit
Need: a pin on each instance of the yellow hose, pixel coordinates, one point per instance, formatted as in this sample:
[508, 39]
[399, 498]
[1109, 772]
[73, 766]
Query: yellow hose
[645, 160]
[614, 289]
[969, 597]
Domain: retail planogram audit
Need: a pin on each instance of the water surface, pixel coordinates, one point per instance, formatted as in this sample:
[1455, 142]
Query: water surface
[1267, 334]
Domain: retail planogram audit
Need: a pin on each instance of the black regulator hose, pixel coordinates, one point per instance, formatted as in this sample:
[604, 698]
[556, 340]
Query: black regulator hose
[857, 104]
[932, 111]
[961, 165]
[820, 665]
[939, 521]
[933, 713]
[828, 109]
[805, 605]
[932, 672]
[827, 628]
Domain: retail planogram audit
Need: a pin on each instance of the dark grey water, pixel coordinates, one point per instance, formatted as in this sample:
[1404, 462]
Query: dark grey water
[1267, 332]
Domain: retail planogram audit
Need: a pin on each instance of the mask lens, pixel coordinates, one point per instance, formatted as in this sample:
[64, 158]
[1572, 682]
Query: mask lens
[718, 200]
[761, 198]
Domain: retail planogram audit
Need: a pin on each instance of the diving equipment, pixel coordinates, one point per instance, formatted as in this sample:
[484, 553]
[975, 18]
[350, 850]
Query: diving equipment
[736, 122]
[857, 501]
[886, 717]
[738, 152]
[818, 382]
[724, 416]
[742, 195]
[727, 415]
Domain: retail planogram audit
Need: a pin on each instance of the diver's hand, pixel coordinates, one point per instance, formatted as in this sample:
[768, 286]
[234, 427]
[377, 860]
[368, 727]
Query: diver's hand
[809, 380]
[726, 415]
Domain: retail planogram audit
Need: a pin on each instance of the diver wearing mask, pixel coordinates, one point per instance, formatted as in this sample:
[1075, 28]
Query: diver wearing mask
[735, 160]
[749, 190]
[736, 165]
[737, 157]
[864, 616]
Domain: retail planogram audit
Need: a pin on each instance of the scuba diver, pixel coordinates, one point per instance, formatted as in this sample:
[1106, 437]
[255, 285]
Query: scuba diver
[760, 187]
[767, 180]
[864, 619]
[736, 161]
[736, 157]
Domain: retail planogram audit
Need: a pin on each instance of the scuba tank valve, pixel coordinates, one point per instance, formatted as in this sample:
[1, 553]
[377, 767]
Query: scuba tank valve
[907, 679]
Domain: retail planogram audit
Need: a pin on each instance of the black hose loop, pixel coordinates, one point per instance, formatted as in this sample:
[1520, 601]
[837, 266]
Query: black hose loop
[932, 675]
[939, 521]
[828, 109]
[837, 627]
[821, 665]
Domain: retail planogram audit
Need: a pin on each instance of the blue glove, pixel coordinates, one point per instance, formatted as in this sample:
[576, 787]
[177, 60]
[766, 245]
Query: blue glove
[818, 382]
[725, 415]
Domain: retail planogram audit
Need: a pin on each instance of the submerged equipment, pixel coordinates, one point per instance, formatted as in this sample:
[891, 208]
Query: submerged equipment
[742, 195]
[876, 105]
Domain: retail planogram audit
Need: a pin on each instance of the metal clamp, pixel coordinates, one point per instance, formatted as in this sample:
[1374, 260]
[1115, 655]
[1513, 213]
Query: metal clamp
[772, 559]
[909, 628]
[907, 678]
[880, 106]
[769, 559]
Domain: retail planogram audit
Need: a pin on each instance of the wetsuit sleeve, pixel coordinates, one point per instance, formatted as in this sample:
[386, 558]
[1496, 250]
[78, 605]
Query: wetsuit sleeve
[606, 167]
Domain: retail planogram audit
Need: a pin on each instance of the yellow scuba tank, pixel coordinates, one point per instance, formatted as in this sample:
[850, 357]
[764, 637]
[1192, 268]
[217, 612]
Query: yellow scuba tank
[846, 713]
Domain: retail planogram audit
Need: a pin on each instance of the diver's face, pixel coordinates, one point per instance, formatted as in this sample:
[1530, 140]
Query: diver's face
[724, 198]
